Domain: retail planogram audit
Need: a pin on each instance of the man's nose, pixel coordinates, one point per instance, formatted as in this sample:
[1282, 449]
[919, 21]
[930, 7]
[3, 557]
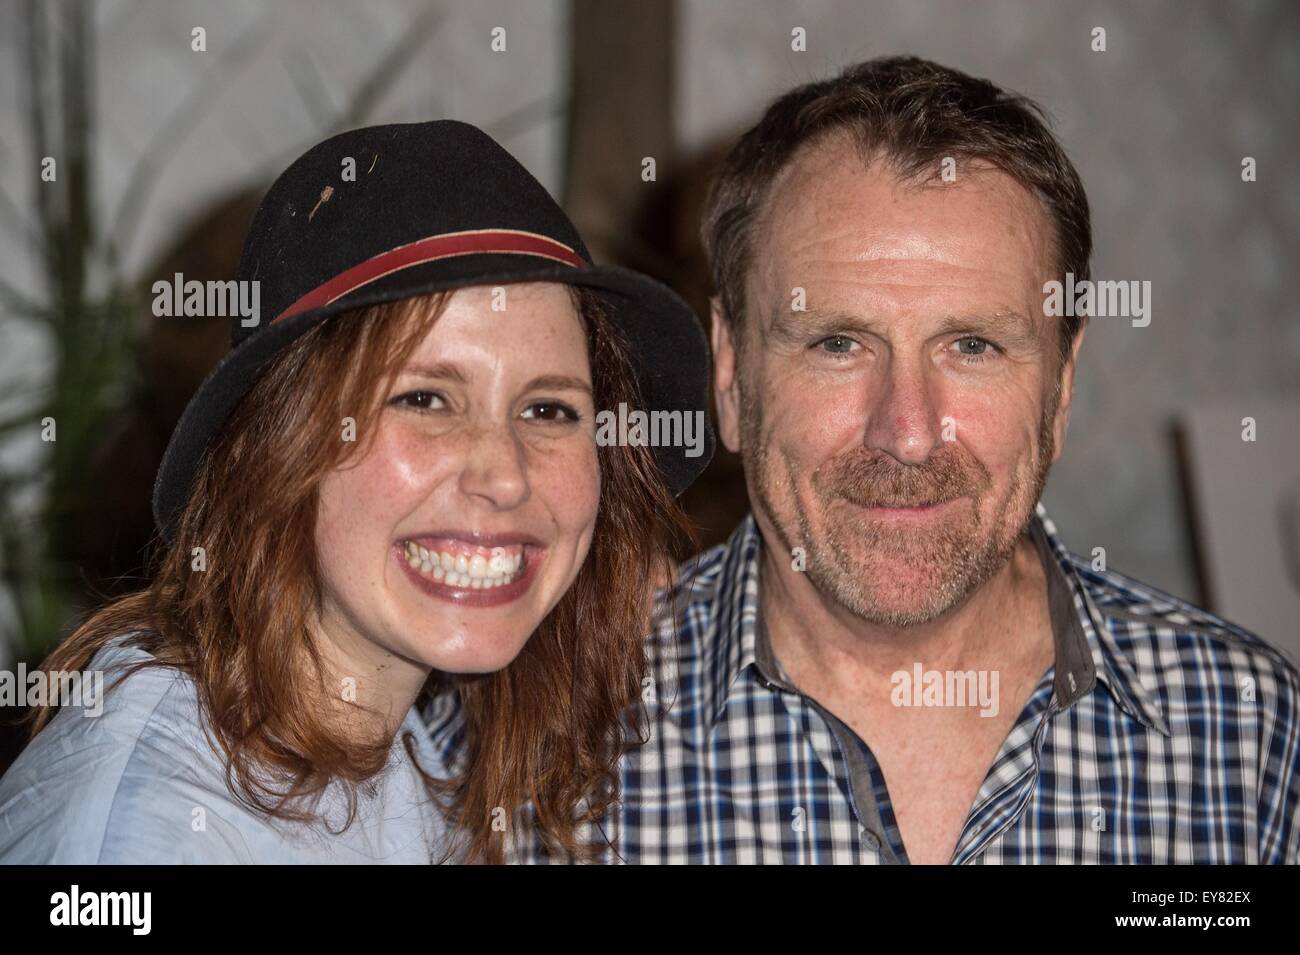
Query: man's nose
[903, 417]
[496, 468]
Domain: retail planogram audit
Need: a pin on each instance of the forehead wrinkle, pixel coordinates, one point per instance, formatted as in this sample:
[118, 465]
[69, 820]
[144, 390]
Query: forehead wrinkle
[808, 169]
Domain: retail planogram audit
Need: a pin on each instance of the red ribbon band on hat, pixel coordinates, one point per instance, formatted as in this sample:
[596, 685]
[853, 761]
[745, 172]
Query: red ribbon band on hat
[445, 246]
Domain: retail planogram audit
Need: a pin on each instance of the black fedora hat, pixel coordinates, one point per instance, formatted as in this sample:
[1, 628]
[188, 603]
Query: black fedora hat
[430, 206]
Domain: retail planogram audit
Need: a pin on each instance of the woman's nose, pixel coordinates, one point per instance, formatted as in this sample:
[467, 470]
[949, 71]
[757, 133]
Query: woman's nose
[495, 468]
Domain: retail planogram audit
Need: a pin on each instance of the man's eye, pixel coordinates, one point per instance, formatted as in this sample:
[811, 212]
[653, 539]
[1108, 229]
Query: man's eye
[550, 411]
[422, 400]
[972, 346]
[837, 344]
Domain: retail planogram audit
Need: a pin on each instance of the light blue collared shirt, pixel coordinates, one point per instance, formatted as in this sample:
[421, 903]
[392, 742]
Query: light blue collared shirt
[140, 783]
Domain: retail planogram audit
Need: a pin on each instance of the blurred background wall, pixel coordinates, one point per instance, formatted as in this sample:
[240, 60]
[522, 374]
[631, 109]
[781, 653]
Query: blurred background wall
[163, 151]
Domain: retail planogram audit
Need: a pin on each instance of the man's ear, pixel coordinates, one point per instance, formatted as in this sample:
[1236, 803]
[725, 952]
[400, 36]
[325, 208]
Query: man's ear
[1062, 422]
[725, 385]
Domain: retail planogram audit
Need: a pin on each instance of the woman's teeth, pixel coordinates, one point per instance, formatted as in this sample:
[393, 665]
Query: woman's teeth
[473, 571]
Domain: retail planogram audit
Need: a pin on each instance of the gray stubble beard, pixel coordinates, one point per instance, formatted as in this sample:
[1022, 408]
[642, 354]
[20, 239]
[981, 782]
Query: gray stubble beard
[971, 559]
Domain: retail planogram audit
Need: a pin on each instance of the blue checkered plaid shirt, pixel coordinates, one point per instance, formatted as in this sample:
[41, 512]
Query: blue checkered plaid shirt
[1161, 734]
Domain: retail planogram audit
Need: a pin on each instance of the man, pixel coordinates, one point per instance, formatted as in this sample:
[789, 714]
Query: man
[895, 659]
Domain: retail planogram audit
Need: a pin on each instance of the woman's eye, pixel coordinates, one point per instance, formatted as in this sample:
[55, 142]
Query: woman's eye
[422, 400]
[837, 344]
[550, 411]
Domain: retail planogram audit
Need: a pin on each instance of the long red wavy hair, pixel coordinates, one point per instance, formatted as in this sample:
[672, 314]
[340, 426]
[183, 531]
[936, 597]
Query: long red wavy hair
[547, 730]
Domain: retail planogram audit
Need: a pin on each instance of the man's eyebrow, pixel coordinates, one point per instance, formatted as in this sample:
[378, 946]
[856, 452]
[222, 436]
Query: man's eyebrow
[789, 325]
[1008, 325]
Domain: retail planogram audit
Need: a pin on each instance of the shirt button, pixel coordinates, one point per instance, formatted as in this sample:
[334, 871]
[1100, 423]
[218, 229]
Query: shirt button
[871, 841]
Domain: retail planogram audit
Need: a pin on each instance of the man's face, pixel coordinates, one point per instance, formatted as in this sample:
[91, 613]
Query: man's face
[899, 428]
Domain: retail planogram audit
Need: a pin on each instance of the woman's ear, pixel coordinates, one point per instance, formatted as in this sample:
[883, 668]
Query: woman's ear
[725, 391]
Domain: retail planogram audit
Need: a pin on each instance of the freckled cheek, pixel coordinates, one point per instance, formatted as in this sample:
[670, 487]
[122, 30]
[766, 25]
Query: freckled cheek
[566, 482]
[343, 532]
[408, 465]
[366, 498]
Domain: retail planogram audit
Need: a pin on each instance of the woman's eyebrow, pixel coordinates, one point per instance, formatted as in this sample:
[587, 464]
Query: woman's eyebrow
[447, 371]
[559, 382]
[440, 370]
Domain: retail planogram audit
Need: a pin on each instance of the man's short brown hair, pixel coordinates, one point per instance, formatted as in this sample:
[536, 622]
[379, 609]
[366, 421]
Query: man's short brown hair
[913, 113]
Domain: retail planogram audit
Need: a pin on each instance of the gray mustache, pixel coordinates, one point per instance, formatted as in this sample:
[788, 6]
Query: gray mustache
[878, 480]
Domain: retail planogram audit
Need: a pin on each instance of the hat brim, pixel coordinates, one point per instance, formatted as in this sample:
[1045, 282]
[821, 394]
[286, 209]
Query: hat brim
[669, 352]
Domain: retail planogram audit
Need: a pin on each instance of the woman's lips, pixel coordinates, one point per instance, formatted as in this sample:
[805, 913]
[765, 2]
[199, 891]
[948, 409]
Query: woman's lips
[461, 592]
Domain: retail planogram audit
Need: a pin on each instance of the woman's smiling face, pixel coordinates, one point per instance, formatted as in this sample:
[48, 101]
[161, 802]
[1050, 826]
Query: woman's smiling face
[448, 538]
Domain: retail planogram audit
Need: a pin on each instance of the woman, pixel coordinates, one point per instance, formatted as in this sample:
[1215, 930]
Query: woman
[391, 487]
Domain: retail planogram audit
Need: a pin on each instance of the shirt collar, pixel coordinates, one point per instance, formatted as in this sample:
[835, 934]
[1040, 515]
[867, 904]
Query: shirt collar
[730, 641]
[1108, 662]
[1086, 653]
